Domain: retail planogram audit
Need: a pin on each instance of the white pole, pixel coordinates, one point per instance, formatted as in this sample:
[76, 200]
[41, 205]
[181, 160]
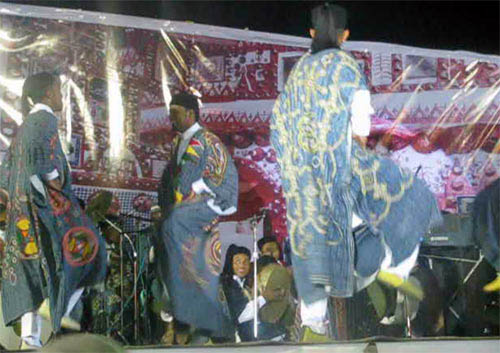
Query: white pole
[254, 258]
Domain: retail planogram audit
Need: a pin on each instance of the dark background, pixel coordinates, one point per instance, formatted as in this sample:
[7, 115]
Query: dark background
[451, 25]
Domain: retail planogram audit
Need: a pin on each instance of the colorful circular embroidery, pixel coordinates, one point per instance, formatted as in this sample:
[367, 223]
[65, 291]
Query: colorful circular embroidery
[80, 246]
[213, 253]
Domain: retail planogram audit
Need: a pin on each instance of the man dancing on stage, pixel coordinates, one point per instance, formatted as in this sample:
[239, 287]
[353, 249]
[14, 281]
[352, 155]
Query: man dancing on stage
[487, 229]
[52, 250]
[199, 184]
[329, 179]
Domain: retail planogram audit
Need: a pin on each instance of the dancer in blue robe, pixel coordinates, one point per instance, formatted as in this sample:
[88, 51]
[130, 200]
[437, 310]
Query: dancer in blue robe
[329, 179]
[52, 249]
[199, 185]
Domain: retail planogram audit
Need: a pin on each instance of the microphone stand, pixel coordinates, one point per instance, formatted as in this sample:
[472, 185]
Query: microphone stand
[134, 253]
[255, 256]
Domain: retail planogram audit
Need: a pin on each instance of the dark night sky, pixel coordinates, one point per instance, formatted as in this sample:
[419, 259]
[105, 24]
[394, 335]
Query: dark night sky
[452, 25]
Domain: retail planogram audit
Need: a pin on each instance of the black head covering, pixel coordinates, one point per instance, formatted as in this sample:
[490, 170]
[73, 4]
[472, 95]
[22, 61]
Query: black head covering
[267, 239]
[35, 89]
[232, 251]
[328, 21]
[187, 101]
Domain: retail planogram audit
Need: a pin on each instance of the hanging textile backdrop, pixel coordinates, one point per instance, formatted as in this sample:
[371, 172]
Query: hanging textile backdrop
[437, 112]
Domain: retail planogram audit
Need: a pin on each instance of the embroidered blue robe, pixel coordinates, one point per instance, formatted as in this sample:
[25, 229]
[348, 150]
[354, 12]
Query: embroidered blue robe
[326, 176]
[51, 249]
[190, 257]
[486, 221]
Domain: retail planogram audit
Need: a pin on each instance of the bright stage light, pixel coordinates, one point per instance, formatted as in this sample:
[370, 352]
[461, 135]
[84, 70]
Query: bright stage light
[5, 140]
[67, 111]
[13, 85]
[167, 96]
[116, 114]
[88, 124]
[11, 111]
[177, 56]
[4, 35]
[46, 43]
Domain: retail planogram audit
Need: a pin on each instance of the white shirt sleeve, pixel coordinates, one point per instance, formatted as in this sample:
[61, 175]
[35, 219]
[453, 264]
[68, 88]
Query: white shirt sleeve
[356, 221]
[199, 187]
[314, 315]
[248, 313]
[361, 109]
[227, 212]
[37, 184]
[52, 175]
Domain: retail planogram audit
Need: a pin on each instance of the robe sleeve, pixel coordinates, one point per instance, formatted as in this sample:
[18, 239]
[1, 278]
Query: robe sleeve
[356, 96]
[361, 109]
[45, 142]
[5, 168]
[4, 180]
[166, 184]
[165, 188]
[219, 176]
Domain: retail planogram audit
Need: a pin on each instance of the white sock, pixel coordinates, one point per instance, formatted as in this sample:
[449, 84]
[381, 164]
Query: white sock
[314, 315]
[31, 329]
[73, 300]
[404, 268]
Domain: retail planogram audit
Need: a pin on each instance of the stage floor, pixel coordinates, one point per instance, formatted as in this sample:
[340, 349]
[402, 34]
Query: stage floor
[413, 346]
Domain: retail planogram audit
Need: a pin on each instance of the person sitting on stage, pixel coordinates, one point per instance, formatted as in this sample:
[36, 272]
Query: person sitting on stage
[486, 229]
[199, 184]
[329, 179]
[105, 305]
[235, 281]
[275, 283]
[268, 245]
[52, 249]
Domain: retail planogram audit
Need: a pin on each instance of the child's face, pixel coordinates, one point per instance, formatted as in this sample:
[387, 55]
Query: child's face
[241, 265]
